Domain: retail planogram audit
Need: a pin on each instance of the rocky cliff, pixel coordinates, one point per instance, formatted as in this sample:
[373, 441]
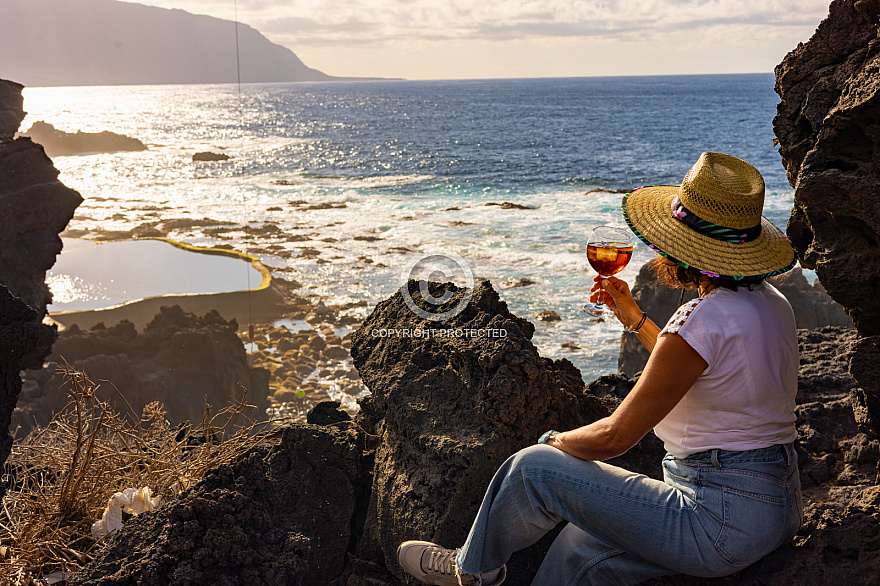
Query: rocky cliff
[35, 209]
[449, 409]
[328, 502]
[828, 128]
[36, 206]
[445, 411]
[182, 360]
[24, 341]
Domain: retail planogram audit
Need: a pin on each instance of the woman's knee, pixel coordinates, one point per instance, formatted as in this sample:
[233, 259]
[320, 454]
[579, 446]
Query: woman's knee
[534, 458]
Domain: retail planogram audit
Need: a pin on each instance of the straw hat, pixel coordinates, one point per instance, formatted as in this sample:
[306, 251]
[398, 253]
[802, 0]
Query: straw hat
[712, 222]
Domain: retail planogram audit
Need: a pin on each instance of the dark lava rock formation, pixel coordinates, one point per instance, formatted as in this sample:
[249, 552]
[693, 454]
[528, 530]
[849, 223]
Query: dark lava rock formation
[444, 413]
[282, 516]
[450, 408]
[828, 128]
[209, 156]
[11, 108]
[36, 208]
[24, 341]
[59, 143]
[180, 360]
[812, 306]
[328, 502]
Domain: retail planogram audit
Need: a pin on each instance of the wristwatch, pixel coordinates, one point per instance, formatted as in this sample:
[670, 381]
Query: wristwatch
[547, 436]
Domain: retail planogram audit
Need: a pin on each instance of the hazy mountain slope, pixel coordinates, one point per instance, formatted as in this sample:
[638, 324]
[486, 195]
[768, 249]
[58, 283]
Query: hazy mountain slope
[103, 42]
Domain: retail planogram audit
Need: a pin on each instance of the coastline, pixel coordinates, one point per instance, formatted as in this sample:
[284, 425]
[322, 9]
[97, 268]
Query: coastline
[332, 199]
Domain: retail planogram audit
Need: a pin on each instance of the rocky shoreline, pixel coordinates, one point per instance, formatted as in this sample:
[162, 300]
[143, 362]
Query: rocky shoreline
[188, 361]
[335, 496]
[58, 143]
[327, 501]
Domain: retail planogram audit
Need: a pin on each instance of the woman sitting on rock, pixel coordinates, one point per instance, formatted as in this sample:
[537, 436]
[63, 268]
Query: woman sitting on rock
[719, 390]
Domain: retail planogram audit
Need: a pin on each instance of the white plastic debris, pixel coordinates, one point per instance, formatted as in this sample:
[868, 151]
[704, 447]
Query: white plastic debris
[56, 577]
[132, 501]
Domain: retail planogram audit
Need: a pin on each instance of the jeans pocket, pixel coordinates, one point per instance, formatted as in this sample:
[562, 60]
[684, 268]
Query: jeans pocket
[753, 525]
[684, 479]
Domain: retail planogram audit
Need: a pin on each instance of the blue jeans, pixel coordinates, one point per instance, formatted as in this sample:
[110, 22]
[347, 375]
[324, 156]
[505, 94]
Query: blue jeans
[715, 513]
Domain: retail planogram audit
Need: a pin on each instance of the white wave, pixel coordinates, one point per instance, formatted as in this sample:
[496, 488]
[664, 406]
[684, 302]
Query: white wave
[303, 179]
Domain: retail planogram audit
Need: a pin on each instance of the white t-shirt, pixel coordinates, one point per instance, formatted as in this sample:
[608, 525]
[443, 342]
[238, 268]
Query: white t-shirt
[745, 398]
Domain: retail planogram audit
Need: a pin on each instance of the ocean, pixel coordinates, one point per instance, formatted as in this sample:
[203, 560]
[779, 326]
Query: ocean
[384, 172]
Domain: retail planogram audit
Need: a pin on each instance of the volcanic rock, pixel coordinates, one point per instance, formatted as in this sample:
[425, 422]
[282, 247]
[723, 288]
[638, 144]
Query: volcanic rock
[329, 503]
[507, 205]
[548, 315]
[824, 403]
[208, 156]
[327, 413]
[335, 352]
[828, 128]
[36, 207]
[281, 515]
[180, 360]
[11, 107]
[24, 342]
[813, 307]
[518, 282]
[59, 143]
[449, 408]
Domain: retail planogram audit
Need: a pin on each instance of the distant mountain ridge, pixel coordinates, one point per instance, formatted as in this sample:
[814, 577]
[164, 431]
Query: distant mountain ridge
[106, 42]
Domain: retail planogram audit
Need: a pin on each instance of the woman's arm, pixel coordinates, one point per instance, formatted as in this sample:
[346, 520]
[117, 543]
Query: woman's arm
[616, 296]
[671, 371]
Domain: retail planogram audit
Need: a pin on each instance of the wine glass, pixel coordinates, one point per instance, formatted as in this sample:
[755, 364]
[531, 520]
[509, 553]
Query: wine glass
[608, 251]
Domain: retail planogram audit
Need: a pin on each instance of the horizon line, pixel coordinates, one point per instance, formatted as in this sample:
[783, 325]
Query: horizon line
[348, 80]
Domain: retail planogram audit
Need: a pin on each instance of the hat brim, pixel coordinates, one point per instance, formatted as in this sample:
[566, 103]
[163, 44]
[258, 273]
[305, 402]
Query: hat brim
[648, 212]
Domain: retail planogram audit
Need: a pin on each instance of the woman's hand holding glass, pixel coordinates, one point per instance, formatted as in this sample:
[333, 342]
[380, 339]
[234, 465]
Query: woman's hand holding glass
[617, 297]
[609, 250]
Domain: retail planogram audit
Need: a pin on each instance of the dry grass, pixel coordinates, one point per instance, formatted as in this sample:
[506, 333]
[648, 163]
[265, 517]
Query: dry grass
[60, 477]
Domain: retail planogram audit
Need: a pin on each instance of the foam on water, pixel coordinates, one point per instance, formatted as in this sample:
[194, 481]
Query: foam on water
[379, 188]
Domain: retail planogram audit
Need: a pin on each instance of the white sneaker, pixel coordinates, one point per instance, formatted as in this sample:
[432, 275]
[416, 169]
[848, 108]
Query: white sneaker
[435, 565]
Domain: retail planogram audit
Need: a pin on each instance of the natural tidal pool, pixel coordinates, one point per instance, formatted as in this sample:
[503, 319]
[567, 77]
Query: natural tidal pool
[91, 275]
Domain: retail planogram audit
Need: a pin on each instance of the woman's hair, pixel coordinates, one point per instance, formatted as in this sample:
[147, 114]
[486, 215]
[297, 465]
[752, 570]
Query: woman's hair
[676, 276]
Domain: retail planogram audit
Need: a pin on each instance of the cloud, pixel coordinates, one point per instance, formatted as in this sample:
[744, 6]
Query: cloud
[297, 24]
[391, 21]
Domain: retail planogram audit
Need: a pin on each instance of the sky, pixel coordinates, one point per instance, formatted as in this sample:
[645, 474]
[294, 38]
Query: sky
[473, 39]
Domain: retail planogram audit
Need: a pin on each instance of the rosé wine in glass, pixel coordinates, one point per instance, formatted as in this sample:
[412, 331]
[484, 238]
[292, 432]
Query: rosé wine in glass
[608, 252]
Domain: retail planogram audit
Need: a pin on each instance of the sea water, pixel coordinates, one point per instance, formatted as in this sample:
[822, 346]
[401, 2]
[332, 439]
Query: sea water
[92, 275]
[382, 172]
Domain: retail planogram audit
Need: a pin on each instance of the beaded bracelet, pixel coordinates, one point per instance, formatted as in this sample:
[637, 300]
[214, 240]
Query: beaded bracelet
[547, 436]
[638, 327]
